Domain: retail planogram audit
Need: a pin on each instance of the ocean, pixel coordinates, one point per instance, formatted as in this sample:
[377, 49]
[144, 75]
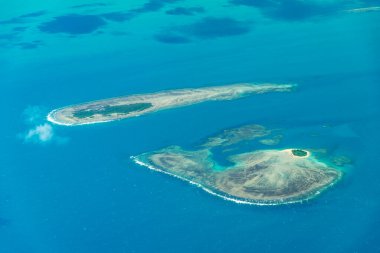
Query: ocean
[75, 189]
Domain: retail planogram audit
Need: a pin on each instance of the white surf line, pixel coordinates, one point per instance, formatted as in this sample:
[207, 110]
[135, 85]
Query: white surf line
[237, 201]
[51, 119]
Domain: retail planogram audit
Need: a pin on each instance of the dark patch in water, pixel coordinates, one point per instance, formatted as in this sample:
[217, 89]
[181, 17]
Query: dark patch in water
[30, 45]
[12, 21]
[185, 11]
[153, 5]
[33, 14]
[291, 10]
[22, 18]
[118, 16]
[79, 6]
[171, 38]
[206, 28]
[299, 10]
[210, 27]
[119, 33]
[221, 157]
[73, 24]
[19, 29]
[254, 3]
[7, 36]
[4, 222]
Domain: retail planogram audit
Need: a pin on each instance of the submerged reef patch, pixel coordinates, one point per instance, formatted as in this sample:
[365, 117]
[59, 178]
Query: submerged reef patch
[206, 28]
[235, 135]
[292, 10]
[190, 11]
[73, 24]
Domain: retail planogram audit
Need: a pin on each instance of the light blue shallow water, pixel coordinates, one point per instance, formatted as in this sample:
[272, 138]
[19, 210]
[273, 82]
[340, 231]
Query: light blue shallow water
[79, 192]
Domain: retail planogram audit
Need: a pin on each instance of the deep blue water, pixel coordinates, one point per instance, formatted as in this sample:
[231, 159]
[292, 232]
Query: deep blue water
[79, 191]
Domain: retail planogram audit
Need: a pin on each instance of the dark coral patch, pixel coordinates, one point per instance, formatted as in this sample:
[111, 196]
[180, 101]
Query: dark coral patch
[73, 24]
[210, 27]
[33, 14]
[153, 5]
[29, 45]
[291, 10]
[206, 28]
[4, 222]
[118, 16]
[255, 3]
[299, 10]
[185, 11]
[8, 36]
[79, 6]
[16, 20]
[171, 38]
[22, 18]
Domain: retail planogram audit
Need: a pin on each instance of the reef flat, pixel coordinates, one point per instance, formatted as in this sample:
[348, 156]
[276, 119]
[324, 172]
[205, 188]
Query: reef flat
[235, 135]
[261, 177]
[134, 105]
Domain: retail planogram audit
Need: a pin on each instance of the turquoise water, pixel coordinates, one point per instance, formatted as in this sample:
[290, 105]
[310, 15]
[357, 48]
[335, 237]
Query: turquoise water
[74, 189]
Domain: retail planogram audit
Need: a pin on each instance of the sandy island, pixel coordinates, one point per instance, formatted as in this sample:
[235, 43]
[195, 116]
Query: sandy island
[135, 105]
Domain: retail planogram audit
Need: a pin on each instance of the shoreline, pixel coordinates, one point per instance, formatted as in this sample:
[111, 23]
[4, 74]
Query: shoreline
[51, 119]
[290, 152]
[233, 199]
[161, 100]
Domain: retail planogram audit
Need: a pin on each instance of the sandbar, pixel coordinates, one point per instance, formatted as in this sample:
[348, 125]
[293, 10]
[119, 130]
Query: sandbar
[118, 108]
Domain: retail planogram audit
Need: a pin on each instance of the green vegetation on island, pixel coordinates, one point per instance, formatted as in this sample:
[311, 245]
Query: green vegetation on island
[109, 109]
[299, 152]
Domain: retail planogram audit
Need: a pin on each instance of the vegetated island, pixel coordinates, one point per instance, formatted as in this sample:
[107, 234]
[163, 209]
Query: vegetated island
[261, 177]
[134, 105]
